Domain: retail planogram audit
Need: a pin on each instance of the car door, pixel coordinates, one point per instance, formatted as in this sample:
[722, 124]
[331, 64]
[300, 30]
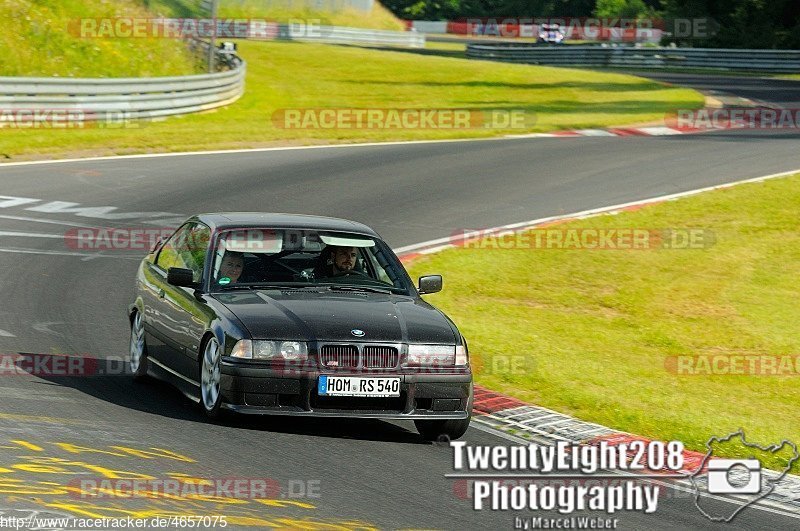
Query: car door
[182, 316]
[153, 290]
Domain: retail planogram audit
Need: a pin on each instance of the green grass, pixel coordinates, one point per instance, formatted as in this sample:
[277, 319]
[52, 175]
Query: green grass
[595, 328]
[448, 46]
[285, 75]
[283, 11]
[37, 42]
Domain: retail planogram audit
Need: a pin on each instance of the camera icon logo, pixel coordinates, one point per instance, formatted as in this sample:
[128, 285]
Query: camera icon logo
[743, 481]
[734, 476]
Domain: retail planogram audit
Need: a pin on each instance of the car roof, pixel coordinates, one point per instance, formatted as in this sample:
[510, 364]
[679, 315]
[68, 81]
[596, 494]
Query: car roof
[234, 220]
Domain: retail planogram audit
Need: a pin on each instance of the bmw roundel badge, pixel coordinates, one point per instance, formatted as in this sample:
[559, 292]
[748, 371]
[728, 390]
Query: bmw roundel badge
[356, 332]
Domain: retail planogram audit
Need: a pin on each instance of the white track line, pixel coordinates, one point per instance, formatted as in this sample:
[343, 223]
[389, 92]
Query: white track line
[50, 221]
[252, 150]
[35, 235]
[659, 131]
[85, 256]
[445, 242]
[578, 133]
[3, 333]
[595, 132]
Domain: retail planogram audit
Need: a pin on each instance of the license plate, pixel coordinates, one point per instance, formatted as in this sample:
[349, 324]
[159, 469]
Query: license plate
[358, 386]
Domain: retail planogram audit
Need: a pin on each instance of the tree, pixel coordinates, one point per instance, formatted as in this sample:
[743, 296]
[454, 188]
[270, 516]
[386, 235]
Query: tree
[740, 23]
[439, 9]
[456, 9]
[631, 9]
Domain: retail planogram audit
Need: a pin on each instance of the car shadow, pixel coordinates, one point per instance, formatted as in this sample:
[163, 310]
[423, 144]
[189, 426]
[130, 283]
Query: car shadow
[110, 380]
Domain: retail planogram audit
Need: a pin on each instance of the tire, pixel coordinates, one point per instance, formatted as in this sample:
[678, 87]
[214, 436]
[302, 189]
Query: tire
[210, 393]
[433, 430]
[137, 352]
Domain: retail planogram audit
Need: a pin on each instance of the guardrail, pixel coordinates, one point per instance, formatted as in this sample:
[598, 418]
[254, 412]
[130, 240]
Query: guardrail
[600, 56]
[135, 98]
[345, 35]
[498, 29]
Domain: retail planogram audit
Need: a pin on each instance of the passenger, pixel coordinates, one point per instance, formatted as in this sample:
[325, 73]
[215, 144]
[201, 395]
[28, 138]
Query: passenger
[231, 266]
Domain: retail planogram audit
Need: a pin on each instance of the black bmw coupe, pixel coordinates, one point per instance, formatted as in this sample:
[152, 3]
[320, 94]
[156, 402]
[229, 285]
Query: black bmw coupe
[297, 315]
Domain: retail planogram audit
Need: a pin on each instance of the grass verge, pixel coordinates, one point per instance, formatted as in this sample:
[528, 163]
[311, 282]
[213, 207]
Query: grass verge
[285, 75]
[600, 330]
[283, 11]
[37, 42]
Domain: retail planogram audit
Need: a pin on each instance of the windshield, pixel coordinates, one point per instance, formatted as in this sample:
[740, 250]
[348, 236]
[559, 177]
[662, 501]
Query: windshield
[305, 258]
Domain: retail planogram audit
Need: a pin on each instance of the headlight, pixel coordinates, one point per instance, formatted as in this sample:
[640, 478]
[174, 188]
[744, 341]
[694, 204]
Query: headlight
[293, 350]
[270, 350]
[431, 355]
[287, 350]
[264, 350]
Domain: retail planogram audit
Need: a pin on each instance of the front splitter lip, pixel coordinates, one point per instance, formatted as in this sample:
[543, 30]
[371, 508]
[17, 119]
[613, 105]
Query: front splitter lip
[257, 410]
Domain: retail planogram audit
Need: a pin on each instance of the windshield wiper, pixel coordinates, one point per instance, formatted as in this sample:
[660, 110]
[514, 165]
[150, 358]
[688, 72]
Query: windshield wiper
[301, 286]
[231, 287]
[371, 289]
[256, 286]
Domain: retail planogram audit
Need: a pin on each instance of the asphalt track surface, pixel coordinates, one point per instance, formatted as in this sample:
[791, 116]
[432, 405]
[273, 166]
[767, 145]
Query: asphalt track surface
[56, 299]
[778, 92]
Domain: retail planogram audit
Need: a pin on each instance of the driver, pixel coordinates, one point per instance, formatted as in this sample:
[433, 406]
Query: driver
[344, 259]
[337, 261]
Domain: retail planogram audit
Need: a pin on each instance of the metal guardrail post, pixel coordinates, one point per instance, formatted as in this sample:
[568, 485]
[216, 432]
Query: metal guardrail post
[212, 44]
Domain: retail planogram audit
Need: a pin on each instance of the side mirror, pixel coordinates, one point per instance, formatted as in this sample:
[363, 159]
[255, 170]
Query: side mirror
[183, 278]
[430, 284]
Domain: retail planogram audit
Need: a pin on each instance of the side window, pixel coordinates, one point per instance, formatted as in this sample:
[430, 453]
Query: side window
[168, 255]
[186, 249]
[197, 250]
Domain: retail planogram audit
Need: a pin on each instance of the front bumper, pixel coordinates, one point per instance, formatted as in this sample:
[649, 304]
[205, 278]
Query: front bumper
[262, 390]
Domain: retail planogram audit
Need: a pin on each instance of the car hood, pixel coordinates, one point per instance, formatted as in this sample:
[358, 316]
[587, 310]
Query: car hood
[314, 316]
